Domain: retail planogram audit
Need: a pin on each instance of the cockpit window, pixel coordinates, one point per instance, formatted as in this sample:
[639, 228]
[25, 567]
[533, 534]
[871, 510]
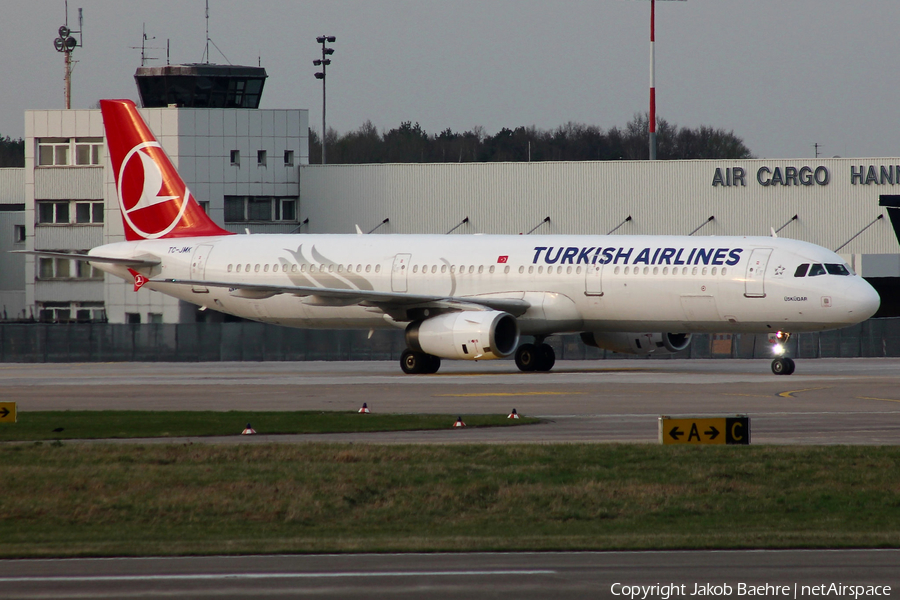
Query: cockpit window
[837, 269]
[816, 270]
[801, 270]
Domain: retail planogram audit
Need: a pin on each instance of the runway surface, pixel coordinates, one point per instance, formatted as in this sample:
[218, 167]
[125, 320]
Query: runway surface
[827, 401]
[446, 576]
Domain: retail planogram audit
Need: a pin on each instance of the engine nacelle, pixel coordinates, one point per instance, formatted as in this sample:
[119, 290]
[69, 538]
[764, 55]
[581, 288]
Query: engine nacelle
[467, 335]
[638, 343]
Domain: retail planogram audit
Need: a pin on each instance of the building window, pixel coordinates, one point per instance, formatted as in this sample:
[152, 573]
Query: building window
[133, 318]
[63, 268]
[19, 233]
[204, 204]
[261, 158]
[242, 209]
[58, 152]
[289, 158]
[62, 212]
[236, 158]
[87, 151]
[154, 318]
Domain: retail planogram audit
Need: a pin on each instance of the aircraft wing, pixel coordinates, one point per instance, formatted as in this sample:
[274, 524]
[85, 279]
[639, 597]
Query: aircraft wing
[128, 262]
[390, 302]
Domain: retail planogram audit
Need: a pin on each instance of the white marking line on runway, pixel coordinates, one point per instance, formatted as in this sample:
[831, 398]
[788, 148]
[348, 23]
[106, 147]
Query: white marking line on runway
[256, 576]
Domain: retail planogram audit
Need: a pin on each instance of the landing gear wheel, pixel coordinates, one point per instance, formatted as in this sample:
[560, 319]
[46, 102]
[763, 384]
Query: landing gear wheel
[419, 363]
[546, 358]
[527, 357]
[783, 366]
[433, 364]
[413, 363]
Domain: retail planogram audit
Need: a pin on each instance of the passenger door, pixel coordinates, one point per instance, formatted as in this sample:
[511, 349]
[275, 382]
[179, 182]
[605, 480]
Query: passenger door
[399, 272]
[754, 283]
[198, 267]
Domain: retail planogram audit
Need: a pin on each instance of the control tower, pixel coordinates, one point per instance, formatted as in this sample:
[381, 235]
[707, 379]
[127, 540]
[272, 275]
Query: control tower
[200, 85]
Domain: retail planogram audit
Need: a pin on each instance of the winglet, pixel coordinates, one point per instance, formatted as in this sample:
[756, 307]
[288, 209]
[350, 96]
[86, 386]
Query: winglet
[772, 229]
[359, 231]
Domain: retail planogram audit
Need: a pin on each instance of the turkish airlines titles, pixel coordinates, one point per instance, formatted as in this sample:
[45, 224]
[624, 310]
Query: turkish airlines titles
[573, 255]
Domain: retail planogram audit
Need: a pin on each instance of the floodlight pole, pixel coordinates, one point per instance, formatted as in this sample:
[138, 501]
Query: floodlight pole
[324, 62]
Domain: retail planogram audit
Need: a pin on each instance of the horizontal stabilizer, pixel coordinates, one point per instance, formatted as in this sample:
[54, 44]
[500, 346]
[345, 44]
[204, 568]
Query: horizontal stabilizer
[127, 262]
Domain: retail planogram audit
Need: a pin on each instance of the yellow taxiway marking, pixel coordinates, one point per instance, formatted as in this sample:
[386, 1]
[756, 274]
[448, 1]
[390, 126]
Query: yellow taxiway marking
[476, 394]
[749, 395]
[791, 393]
[884, 399]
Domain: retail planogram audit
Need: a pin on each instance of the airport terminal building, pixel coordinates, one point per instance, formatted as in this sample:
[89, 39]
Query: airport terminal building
[249, 169]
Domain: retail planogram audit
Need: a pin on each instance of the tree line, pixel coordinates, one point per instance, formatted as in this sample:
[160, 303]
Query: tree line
[12, 152]
[409, 143]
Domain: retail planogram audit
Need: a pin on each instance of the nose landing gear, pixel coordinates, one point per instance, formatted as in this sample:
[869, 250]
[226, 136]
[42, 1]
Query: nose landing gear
[782, 365]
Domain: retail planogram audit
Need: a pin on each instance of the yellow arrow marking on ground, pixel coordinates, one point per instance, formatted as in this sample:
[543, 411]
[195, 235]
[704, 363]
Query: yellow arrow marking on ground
[510, 394]
[884, 399]
[791, 393]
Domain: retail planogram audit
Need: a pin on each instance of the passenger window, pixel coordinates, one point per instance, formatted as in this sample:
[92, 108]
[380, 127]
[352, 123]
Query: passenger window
[694, 271]
[646, 270]
[816, 270]
[578, 270]
[368, 268]
[239, 268]
[625, 271]
[471, 269]
[506, 269]
[834, 269]
[480, 269]
[723, 270]
[256, 268]
[491, 270]
[665, 270]
[617, 270]
[713, 270]
[229, 268]
[541, 269]
[378, 268]
[656, 270]
[293, 268]
[530, 270]
[801, 270]
[704, 271]
[266, 269]
[247, 268]
[416, 269]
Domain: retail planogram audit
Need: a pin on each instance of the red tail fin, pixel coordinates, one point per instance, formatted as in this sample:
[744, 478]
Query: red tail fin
[154, 201]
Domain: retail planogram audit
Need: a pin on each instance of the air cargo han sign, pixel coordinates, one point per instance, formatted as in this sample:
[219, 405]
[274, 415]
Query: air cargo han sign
[804, 175]
[704, 430]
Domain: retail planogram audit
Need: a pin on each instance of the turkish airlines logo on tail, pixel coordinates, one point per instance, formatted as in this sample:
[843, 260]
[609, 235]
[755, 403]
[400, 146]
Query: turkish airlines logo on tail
[153, 202]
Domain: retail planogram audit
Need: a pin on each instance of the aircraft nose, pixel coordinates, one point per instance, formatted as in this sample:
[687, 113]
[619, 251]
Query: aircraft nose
[862, 299]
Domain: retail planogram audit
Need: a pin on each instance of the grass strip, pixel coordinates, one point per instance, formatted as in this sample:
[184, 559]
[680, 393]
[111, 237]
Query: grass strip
[86, 424]
[63, 499]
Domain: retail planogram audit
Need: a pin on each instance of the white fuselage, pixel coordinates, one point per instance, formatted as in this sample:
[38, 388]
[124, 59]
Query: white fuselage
[572, 283]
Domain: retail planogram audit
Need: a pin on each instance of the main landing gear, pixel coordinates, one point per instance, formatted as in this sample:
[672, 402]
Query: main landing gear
[535, 357]
[419, 363]
[782, 365]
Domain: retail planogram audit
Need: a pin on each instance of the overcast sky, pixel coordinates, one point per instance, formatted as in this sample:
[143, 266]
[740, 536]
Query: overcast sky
[783, 74]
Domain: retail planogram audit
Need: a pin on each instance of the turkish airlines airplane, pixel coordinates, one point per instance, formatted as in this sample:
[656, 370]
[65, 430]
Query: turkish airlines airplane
[469, 297]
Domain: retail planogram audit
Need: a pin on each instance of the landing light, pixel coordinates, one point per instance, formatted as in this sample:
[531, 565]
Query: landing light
[777, 349]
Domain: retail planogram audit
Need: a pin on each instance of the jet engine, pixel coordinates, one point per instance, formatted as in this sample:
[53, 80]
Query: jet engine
[467, 335]
[638, 343]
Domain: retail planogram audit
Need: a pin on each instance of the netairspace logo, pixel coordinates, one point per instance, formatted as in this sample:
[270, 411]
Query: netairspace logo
[720, 590]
